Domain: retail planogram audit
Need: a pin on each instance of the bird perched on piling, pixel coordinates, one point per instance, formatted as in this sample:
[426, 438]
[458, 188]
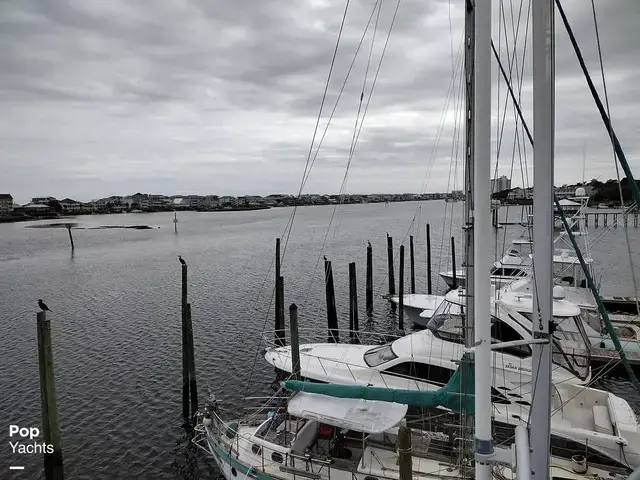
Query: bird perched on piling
[43, 306]
[181, 260]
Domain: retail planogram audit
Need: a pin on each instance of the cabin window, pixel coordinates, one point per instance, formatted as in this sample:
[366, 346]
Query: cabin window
[379, 355]
[256, 449]
[507, 271]
[502, 332]
[423, 371]
[276, 457]
[234, 472]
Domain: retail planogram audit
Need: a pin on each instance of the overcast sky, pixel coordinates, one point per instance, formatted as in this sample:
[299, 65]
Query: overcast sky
[113, 97]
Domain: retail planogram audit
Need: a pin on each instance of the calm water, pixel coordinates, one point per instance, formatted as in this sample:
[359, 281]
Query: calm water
[116, 317]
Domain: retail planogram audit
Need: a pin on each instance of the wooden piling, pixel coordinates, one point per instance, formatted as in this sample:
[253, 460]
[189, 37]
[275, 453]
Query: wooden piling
[392, 283]
[453, 261]
[70, 236]
[412, 265]
[596, 219]
[332, 315]
[369, 290]
[615, 219]
[280, 333]
[606, 217]
[193, 387]
[428, 259]
[353, 301]
[53, 464]
[635, 219]
[586, 219]
[401, 292]
[625, 218]
[404, 452]
[175, 222]
[185, 348]
[295, 342]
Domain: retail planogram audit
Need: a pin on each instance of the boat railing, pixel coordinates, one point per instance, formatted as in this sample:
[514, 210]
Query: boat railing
[275, 338]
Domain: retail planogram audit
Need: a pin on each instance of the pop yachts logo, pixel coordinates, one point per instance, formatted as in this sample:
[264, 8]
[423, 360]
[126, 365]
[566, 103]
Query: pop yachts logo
[24, 440]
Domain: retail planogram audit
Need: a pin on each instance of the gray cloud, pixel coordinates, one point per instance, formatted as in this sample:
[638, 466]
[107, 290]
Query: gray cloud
[196, 96]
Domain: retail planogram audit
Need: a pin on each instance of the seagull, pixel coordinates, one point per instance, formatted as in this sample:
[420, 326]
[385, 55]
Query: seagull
[181, 260]
[43, 306]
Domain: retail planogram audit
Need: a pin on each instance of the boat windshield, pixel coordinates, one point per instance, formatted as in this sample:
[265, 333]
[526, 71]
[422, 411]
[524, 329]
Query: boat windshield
[447, 322]
[379, 355]
[571, 344]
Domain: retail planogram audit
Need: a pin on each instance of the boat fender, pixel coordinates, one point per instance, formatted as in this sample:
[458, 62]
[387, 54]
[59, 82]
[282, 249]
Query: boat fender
[579, 464]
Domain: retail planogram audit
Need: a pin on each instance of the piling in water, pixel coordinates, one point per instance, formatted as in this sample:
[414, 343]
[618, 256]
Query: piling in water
[453, 261]
[193, 387]
[392, 283]
[295, 342]
[412, 265]
[53, 465]
[185, 348]
[369, 290]
[353, 301]
[428, 259]
[404, 453]
[70, 236]
[280, 334]
[332, 315]
[279, 323]
[401, 292]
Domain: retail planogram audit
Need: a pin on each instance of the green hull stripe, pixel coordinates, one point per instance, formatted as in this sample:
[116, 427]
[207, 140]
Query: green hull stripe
[241, 467]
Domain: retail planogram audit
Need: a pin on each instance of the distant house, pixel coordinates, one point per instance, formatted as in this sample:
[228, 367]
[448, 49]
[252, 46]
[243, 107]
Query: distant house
[6, 204]
[517, 193]
[71, 206]
[211, 201]
[228, 200]
[35, 209]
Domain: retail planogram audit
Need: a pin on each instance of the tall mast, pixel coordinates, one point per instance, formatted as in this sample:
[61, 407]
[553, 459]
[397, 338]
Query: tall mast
[482, 236]
[543, 131]
[469, 41]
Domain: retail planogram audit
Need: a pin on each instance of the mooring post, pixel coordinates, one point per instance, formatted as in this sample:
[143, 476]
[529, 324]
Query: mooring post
[193, 387]
[280, 334]
[53, 465]
[70, 236]
[606, 217]
[295, 342]
[280, 327]
[185, 347]
[353, 301]
[453, 261]
[392, 283]
[412, 265]
[175, 222]
[428, 259]
[401, 292]
[332, 315]
[596, 219]
[586, 219]
[369, 291]
[404, 452]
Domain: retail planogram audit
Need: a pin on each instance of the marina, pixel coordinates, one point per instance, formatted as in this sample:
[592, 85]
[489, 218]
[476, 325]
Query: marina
[484, 333]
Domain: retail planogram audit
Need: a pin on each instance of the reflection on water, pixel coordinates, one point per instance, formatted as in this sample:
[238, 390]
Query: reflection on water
[116, 317]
